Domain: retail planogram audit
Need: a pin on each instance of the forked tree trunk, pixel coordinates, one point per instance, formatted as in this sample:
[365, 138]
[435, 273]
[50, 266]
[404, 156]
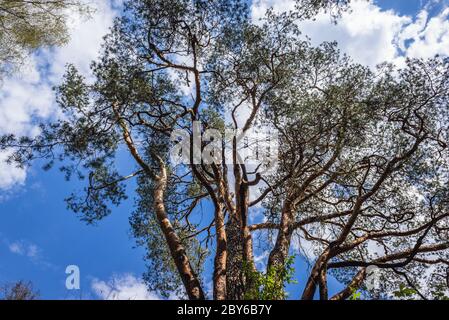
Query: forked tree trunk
[314, 277]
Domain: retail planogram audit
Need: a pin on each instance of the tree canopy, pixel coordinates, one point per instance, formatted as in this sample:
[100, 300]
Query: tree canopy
[362, 179]
[20, 290]
[28, 25]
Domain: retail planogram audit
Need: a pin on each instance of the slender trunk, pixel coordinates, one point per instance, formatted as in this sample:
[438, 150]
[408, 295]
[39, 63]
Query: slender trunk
[354, 285]
[248, 255]
[221, 256]
[314, 277]
[280, 251]
[177, 250]
[243, 209]
[324, 295]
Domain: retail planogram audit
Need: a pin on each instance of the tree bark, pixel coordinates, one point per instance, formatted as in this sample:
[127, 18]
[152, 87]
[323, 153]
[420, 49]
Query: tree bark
[235, 277]
[177, 250]
[324, 295]
[309, 290]
[220, 256]
[354, 285]
[280, 251]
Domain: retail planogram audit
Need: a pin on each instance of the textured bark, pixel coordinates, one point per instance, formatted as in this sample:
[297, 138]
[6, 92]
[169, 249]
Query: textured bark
[220, 257]
[235, 277]
[280, 251]
[240, 260]
[243, 209]
[315, 274]
[240, 251]
[324, 295]
[177, 250]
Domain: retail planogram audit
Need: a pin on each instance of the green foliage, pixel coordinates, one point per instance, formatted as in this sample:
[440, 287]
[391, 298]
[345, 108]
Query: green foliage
[270, 285]
[355, 295]
[439, 293]
[308, 9]
[349, 136]
[28, 25]
[161, 275]
[404, 292]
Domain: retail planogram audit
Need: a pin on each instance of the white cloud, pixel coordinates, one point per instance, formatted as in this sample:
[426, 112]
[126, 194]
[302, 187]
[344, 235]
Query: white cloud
[428, 36]
[9, 175]
[260, 7]
[367, 33]
[371, 35]
[16, 248]
[261, 259]
[86, 37]
[25, 248]
[28, 95]
[122, 287]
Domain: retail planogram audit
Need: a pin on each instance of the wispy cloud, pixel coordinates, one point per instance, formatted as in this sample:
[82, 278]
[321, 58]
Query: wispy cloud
[122, 287]
[25, 248]
[28, 250]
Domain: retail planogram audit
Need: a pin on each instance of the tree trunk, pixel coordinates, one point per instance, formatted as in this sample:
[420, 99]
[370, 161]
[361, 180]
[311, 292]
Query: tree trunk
[324, 295]
[314, 278]
[280, 251]
[177, 250]
[354, 285]
[235, 276]
[221, 256]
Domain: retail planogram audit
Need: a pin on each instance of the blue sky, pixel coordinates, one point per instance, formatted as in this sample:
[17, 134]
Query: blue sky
[39, 237]
[402, 6]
